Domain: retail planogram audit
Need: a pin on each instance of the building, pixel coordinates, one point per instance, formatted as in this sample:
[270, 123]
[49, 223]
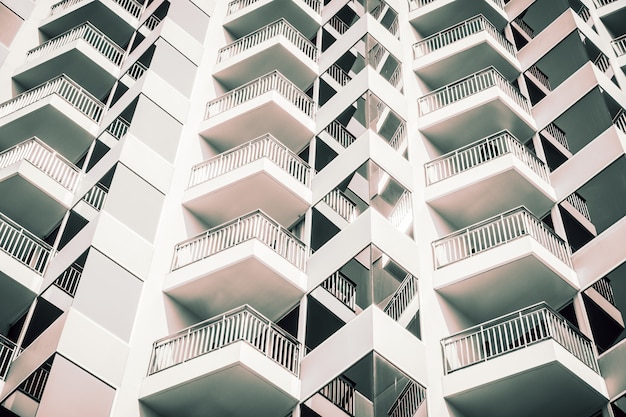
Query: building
[312, 208]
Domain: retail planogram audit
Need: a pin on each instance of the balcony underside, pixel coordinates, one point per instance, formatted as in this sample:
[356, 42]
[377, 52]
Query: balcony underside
[441, 14]
[506, 278]
[542, 380]
[275, 54]
[18, 288]
[37, 202]
[489, 189]
[236, 380]
[269, 113]
[462, 58]
[263, 12]
[249, 273]
[246, 189]
[475, 117]
[55, 122]
[106, 15]
[78, 60]
[613, 16]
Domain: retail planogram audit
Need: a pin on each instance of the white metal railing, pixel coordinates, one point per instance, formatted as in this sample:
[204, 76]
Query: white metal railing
[131, 6]
[136, 70]
[401, 210]
[278, 28]
[401, 297]
[557, 133]
[341, 204]
[600, 3]
[274, 81]
[152, 22]
[338, 74]
[87, 32]
[255, 225]
[339, 25]
[409, 400]
[45, 159]
[34, 385]
[604, 288]
[342, 288]
[118, 128]
[68, 280]
[497, 231]
[62, 86]
[460, 31]
[579, 204]
[398, 137]
[584, 13]
[524, 27]
[265, 146]
[620, 120]
[376, 55]
[619, 45]
[416, 4]
[7, 351]
[602, 62]
[539, 76]
[241, 324]
[23, 246]
[236, 5]
[338, 132]
[394, 26]
[96, 196]
[340, 391]
[469, 86]
[480, 152]
[515, 331]
[396, 76]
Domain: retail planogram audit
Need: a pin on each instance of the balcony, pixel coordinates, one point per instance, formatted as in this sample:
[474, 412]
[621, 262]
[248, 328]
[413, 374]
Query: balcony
[507, 262]
[116, 18]
[60, 102]
[463, 49]
[432, 16]
[530, 363]
[38, 178]
[83, 53]
[270, 104]
[277, 46]
[612, 13]
[235, 364]
[244, 16]
[250, 260]
[499, 166]
[271, 177]
[449, 114]
[7, 352]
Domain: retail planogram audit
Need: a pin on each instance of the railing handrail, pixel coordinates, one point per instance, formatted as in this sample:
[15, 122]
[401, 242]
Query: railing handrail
[557, 133]
[96, 196]
[136, 70]
[401, 297]
[539, 76]
[338, 132]
[90, 34]
[44, 158]
[340, 392]
[131, 6]
[341, 204]
[266, 146]
[339, 25]
[290, 243]
[460, 31]
[68, 280]
[280, 27]
[273, 81]
[525, 27]
[604, 288]
[338, 74]
[23, 246]
[236, 5]
[620, 120]
[416, 4]
[342, 288]
[480, 152]
[412, 392]
[579, 203]
[118, 127]
[588, 357]
[468, 86]
[600, 3]
[290, 359]
[7, 352]
[34, 385]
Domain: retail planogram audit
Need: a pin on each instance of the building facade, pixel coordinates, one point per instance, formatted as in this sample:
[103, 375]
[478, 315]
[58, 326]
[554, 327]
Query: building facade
[312, 208]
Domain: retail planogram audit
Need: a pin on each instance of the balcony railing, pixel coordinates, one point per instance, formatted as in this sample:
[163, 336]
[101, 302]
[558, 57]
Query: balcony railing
[460, 31]
[600, 3]
[152, 22]
[338, 74]
[497, 231]
[96, 196]
[401, 298]
[401, 210]
[340, 391]
[263, 147]
[409, 400]
[256, 225]
[236, 5]
[136, 70]
[7, 351]
[45, 159]
[342, 288]
[579, 204]
[524, 27]
[274, 81]
[118, 128]
[87, 32]
[540, 76]
[241, 324]
[131, 6]
[398, 137]
[339, 25]
[512, 332]
[604, 288]
[396, 76]
[584, 13]
[35, 384]
[278, 28]
[68, 280]
[469, 86]
[65, 88]
[602, 62]
[23, 246]
[338, 132]
[480, 152]
[341, 204]
[416, 4]
[620, 120]
[619, 45]
[558, 134]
